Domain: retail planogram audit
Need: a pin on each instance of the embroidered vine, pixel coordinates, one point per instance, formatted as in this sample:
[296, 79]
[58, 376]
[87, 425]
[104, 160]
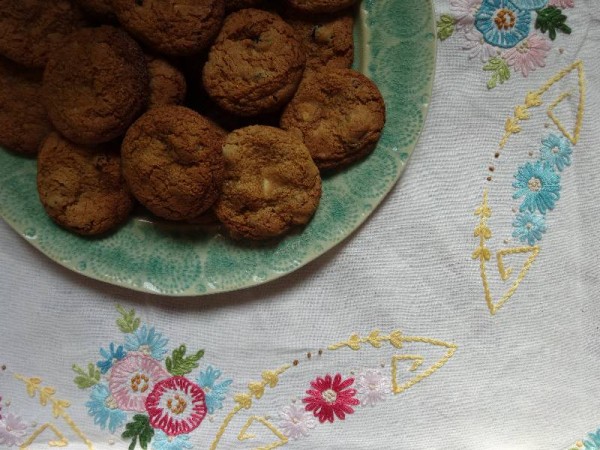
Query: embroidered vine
[506, 34]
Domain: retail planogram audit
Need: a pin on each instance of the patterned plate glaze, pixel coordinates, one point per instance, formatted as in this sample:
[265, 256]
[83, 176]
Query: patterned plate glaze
[395, 47]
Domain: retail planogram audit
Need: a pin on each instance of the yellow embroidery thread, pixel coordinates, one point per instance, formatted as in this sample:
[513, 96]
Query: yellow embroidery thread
[574, 138]
[47, 395]
[62, 440]
[244, 435]
[483, 254]
[244, 400]
[375, 339]
[534, 99]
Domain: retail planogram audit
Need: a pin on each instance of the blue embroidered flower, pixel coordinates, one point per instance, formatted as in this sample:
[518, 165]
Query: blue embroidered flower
[529, 4]
[556, 151]
[540, 186]
[529, 227]
[161, 441]
[147, 341]
[214, 393]
[110, 356]
[103, 408]
[594, 442]
[502, 24]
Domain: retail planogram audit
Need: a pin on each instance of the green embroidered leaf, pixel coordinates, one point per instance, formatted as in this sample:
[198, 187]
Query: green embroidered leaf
[85, 380]
[138, 430]
[500, 71]
[181, 364]
[445, 27]
[127, 323]
[551, 19]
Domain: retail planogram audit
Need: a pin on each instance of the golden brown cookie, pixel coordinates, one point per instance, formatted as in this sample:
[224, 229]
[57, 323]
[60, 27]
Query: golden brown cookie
[172, 161]
[320, 6]
[167, 83]
[31, 29]
[82, 188]
[271, 183]
[328, 41]
[339, 114]
[172, 27]
[23, 120]
[98, 9]
[255, 65]
[95, 85]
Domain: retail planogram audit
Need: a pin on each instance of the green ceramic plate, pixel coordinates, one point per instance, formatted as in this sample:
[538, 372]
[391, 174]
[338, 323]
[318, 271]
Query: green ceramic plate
[395, 47]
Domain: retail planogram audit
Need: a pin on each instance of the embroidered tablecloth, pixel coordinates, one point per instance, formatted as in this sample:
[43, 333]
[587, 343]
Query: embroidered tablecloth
[464, 314]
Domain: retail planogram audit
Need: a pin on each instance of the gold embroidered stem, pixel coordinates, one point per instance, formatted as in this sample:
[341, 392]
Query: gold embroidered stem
[47, 394]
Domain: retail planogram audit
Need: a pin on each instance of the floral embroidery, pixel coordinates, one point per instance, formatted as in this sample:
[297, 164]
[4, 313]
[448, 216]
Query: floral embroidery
[110, 357]
[12, 430]
[331, 396]
[372, 387]
[135, 386]
[562, 3]
[147, 341]
[464, 11]
[163, 441]
[133, 378]
[540, 186]
[529, 4]
[594, 441]
[529, 227]
[529, 54]
[296, 421]
[214, 392]
[176, 406]
[556, 151]
[103, 408]
[501, 24]
[501, 35]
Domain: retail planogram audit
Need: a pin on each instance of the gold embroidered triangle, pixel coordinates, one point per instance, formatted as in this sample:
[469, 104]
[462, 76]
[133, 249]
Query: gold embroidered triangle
[417, 361]
[244, 435]
[60, 442]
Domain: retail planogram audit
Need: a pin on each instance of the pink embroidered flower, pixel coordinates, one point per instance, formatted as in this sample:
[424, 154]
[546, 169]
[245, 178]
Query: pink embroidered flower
[464, 12]
[528, 54]
[562, 3]
[176, 406]
[330, 396]
[12, 430]
[477, 47]
[132, 379]
[372, 387]
[296, 421]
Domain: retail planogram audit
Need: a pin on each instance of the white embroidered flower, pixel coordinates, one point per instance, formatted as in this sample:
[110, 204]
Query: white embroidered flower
[372, 387]
[477, 47]
[464, 12]
[296, 421]
[12, 430]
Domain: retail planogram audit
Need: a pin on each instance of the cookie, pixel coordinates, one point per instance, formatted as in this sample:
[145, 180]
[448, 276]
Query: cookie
[31, 29]
[167, 83]
[255, 65]
[320, 6]
[339, 114]
[81, 188]
[172, 161]
[328, 41]
[23, 120]
[234, 5]
[271, 184]
[98, 9]
[95, 85]
[172, 27]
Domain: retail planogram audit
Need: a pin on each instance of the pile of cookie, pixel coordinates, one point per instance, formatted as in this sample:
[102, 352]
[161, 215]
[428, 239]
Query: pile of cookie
[200, 110]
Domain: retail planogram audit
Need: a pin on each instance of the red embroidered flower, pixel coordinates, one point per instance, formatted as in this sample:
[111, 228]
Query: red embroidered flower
[176, 406]
[329, 396]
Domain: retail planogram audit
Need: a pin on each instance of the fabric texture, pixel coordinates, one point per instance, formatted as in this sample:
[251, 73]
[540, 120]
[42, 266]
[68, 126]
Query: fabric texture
[442, 373]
